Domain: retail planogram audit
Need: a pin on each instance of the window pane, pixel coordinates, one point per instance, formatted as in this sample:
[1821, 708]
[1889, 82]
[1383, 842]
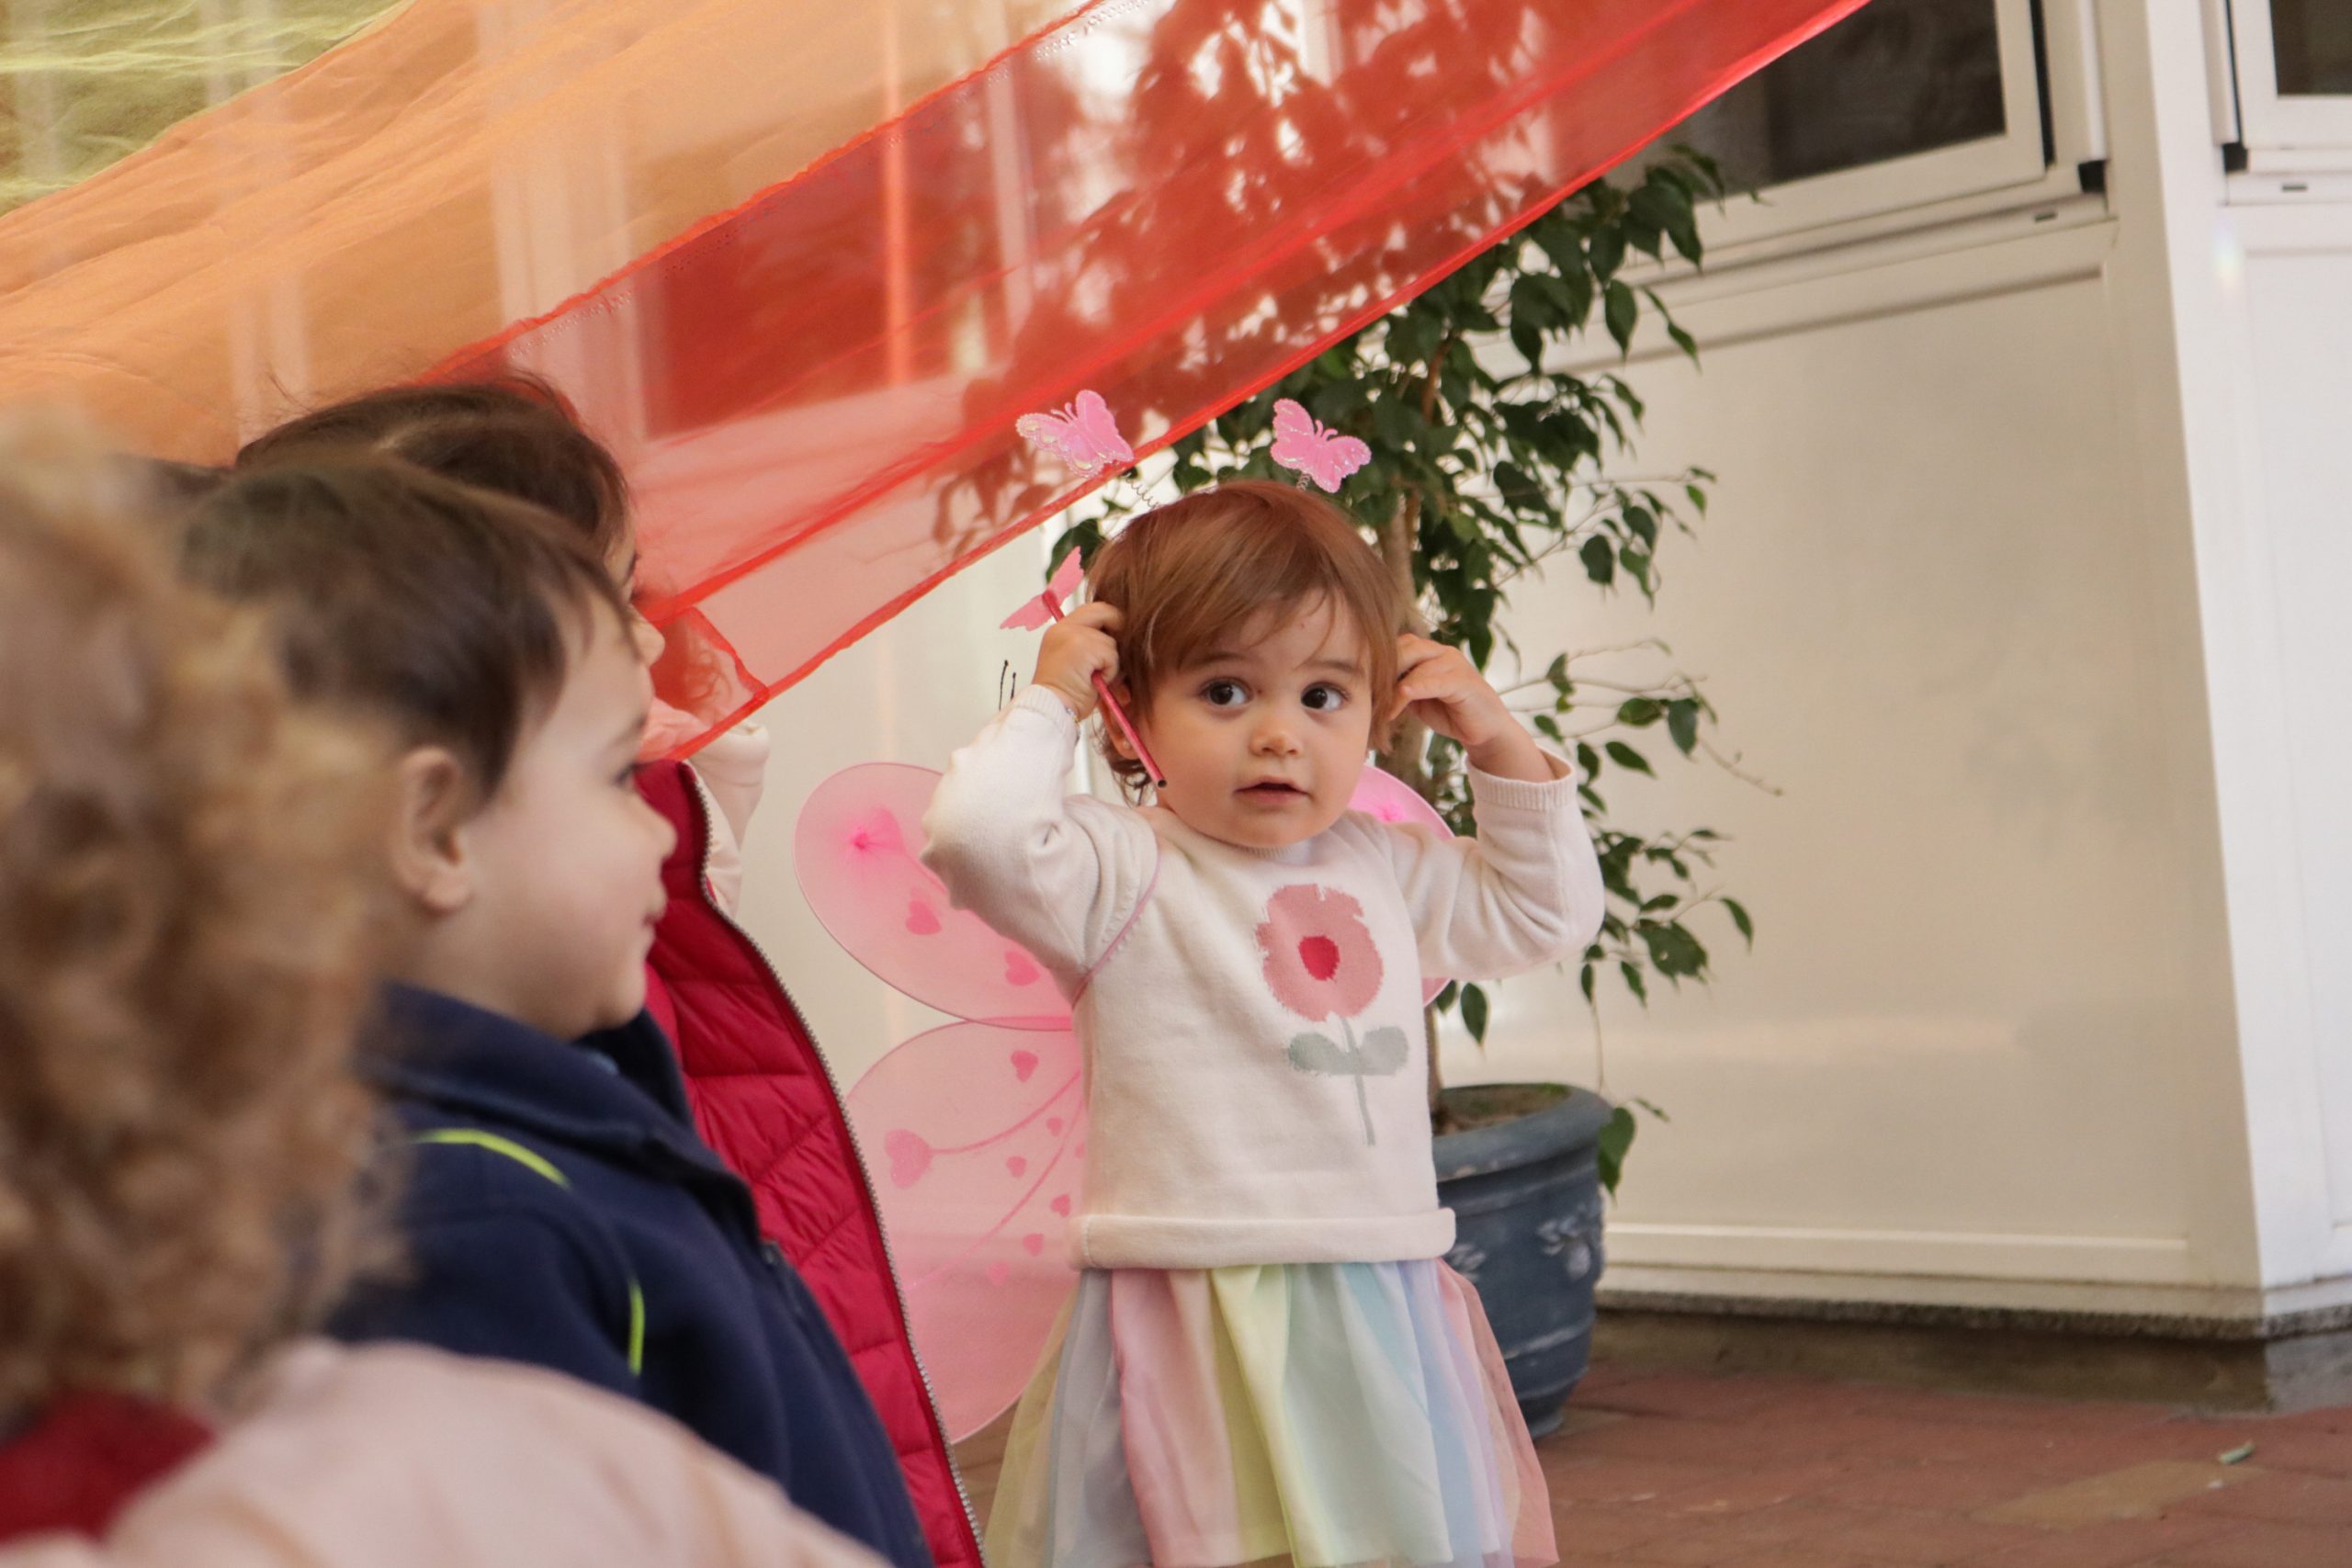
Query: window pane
[1895, 78]
[2314, 41]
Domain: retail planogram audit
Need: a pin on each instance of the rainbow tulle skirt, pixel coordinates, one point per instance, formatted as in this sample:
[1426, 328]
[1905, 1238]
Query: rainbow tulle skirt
[1335, 1414]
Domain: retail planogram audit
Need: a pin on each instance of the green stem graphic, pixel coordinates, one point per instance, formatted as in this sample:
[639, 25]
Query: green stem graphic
[1364, 1101]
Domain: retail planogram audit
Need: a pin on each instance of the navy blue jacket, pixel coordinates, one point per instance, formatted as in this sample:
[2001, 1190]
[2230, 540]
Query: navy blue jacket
[535, 1261]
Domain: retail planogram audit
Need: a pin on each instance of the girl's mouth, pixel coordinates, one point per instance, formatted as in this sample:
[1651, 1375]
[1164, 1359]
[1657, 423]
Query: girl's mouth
[1272, 789]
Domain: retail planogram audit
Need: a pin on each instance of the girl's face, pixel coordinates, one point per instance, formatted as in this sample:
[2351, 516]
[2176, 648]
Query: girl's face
[1263, 741]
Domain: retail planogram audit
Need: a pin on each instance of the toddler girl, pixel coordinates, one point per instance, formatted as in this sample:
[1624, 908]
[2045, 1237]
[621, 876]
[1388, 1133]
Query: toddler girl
[1266, 1354]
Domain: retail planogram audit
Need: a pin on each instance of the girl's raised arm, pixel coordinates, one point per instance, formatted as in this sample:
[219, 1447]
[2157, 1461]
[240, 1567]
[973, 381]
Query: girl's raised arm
[1525, 892]
[1057, 876]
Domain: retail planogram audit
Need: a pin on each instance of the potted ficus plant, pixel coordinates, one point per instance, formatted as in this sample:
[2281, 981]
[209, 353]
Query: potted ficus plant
[1490, 465]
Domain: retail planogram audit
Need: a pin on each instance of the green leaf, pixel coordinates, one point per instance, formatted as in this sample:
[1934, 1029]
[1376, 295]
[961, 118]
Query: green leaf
[1474, 1012]
[1558, 674]
[1606, 252]
[1738, 913]
[1385, 1049]
[1443, 1000]
[1640, 712]
[1632, 974]
[1615, 1142]
[1674, 952]
[1619, 310]
[1550, 728]
[1625, 756]
[1683, 723]
[1600, 561]
[1583, 982]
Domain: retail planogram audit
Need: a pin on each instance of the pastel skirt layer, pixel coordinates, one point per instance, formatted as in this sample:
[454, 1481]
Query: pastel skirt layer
[1335, 1414]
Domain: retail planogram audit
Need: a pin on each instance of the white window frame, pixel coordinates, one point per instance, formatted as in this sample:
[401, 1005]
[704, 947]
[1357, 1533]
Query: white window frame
[1970, 172]
[2283, 123]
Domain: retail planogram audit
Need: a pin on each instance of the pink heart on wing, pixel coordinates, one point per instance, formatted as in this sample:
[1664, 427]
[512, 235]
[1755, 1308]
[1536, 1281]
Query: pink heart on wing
[909, 1157]
[1082, 434]
[921, 918]
[1304, 444]
[1032, 1244]
[1060, 1205]
[1024, 1064]
[1020, 969]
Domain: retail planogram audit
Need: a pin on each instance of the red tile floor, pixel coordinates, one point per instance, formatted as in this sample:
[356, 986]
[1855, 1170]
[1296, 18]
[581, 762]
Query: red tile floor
[1687, 1470]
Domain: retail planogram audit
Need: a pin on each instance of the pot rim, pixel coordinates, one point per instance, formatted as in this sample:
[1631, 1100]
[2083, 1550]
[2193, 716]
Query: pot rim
[1524, 1140]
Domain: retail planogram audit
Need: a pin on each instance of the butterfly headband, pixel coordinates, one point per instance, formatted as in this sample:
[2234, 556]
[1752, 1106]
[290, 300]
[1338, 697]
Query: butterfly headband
[1085, 437]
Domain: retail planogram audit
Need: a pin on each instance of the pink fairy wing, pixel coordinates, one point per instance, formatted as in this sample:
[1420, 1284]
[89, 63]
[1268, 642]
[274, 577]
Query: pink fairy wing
[856, 848]
[1391, 799]
[975, 1136]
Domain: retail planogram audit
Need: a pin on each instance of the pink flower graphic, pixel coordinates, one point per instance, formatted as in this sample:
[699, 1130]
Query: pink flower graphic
[1320, 961]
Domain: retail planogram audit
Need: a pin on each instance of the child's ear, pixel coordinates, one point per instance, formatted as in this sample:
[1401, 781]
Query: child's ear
[433, 804]
[1116, 734]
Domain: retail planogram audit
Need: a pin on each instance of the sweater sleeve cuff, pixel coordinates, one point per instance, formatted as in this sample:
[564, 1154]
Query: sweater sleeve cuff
[1517, 794]
[1045, 705]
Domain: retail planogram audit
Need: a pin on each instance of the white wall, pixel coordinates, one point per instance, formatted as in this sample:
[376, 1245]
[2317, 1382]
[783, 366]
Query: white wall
[1986, 1025]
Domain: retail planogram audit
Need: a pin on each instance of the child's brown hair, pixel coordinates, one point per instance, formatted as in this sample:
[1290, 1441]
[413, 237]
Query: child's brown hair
[1196, 572]
[187, 881]
[515, 435]
[451, 614]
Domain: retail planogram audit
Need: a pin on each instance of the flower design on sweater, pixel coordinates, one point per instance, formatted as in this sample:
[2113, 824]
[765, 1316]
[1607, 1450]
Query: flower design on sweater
[1321, 963]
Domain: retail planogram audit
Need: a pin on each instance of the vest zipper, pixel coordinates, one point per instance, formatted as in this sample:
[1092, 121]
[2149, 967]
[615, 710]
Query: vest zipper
[866, 1181]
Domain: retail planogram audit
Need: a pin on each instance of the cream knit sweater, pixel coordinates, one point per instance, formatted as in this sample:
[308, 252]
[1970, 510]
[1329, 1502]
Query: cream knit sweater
[1256, 1066]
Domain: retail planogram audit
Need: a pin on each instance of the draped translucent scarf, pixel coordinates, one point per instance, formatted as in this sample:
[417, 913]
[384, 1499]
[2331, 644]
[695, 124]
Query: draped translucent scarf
[803, 265]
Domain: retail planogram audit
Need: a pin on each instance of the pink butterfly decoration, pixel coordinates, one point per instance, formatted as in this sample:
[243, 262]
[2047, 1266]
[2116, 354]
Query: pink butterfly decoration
[1315, 449]
[1082, 434]
[1047, 606]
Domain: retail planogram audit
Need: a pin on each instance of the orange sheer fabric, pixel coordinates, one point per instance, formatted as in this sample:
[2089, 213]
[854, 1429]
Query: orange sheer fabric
[458, 166]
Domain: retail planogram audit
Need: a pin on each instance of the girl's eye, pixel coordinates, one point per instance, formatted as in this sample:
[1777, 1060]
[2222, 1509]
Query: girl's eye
[1325, 698]
[1225, 694]
[626, 778]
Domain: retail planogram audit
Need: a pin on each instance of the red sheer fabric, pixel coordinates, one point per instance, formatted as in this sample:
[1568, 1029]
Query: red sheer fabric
[1170, 201]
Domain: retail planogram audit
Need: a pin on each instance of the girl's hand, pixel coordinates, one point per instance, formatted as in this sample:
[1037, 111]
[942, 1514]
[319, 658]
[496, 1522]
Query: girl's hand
[1441, 687]
[1077, 649]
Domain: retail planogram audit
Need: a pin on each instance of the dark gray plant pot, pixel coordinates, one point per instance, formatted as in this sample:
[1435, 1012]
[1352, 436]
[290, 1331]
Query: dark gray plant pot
[1527, 1203]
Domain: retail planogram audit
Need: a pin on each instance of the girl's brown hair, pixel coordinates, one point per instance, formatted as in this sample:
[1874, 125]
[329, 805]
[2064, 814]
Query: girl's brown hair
[1194, 574]
[186, 891]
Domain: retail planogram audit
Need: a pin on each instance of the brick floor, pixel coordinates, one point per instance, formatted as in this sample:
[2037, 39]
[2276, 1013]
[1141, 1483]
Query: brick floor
[1683, 1469]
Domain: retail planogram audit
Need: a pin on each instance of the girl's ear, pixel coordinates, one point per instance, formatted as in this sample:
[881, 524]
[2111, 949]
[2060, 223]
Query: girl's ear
[431, 861]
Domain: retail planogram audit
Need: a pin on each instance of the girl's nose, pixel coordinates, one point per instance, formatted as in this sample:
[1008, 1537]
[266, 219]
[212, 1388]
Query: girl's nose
[1275, 738]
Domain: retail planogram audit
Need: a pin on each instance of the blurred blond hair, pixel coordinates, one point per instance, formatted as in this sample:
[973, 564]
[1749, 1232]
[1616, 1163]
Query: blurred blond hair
[188, 888]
